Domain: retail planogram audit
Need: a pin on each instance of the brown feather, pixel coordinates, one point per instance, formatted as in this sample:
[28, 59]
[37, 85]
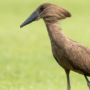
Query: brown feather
[69, 54]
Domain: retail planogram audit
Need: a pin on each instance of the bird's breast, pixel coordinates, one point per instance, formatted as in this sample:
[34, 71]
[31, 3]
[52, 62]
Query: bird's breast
[60, 56]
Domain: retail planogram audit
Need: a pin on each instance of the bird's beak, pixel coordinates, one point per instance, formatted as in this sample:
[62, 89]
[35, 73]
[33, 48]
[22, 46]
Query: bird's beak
[30, 19]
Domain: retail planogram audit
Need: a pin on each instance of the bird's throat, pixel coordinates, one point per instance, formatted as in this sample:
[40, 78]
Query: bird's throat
[56, 35]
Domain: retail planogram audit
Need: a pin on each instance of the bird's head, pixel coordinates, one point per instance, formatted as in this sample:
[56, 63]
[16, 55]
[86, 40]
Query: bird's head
[49, 12]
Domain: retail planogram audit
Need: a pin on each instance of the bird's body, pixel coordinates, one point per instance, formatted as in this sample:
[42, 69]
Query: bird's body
[69, 54]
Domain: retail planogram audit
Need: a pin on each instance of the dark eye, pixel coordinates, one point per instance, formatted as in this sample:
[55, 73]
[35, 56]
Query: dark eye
[42, 8]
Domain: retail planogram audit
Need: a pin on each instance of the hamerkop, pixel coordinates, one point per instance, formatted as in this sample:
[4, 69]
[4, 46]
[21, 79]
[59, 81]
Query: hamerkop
[69, 54]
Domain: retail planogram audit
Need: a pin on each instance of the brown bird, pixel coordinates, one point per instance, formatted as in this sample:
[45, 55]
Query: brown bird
[69, 54]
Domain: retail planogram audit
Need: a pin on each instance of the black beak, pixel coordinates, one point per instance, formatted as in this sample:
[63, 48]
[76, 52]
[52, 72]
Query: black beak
[30, 19]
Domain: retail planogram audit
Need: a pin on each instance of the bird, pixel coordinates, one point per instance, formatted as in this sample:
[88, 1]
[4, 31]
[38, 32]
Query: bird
[69, 54]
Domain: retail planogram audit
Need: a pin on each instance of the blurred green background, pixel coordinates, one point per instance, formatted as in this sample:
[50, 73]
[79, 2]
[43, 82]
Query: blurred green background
[26, 61]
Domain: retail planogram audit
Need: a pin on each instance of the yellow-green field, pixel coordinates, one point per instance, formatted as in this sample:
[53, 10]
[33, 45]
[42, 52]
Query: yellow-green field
[26, 61]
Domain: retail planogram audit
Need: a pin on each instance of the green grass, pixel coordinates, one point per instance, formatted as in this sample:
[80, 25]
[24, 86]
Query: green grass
[26, 61]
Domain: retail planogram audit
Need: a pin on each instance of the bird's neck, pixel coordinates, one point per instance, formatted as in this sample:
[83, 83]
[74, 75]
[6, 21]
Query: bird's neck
[56, 35]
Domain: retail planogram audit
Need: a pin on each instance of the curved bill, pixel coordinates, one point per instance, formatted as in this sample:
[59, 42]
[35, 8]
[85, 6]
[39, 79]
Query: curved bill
[30, 19]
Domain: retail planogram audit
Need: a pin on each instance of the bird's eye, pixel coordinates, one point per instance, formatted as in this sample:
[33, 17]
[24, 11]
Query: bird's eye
[42, 8]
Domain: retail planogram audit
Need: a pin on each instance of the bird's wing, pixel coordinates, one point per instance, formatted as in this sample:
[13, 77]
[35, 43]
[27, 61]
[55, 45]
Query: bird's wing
[79, 56]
